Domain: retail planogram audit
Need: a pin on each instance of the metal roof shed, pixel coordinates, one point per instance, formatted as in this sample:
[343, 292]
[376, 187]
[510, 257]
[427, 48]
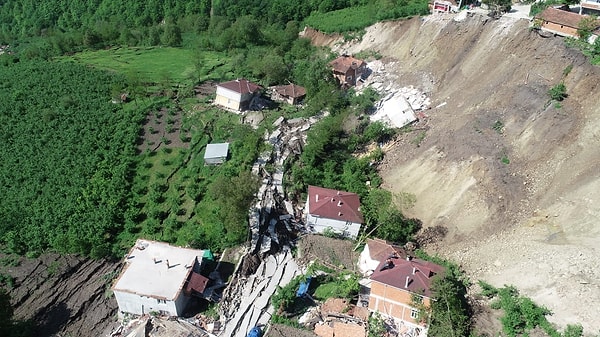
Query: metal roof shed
[216, 153]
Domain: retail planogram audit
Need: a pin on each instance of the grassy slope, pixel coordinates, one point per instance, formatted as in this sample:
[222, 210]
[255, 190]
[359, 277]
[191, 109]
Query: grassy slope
[156, 64]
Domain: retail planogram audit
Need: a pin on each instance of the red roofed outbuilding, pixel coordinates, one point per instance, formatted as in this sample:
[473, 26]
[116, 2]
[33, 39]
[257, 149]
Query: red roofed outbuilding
[336, 210]
[396, 281]
[236, 94]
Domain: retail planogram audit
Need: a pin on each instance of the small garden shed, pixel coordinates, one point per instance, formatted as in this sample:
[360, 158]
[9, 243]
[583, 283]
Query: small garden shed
[216, 153]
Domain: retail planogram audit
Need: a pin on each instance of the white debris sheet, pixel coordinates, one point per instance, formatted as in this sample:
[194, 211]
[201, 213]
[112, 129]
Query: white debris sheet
[254, 307]
[394, 111]
[398, 106]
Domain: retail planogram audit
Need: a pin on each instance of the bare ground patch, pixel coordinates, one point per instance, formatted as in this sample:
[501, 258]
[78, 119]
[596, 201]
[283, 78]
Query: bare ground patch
[333, 253]
[163, 128]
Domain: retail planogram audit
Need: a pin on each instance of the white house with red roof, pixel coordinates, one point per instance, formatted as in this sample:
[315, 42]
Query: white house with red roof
[395, 286]
[335, 210]
[236, 94]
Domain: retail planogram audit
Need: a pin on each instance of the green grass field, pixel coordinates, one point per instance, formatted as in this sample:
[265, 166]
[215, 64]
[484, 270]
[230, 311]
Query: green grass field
[156, 64]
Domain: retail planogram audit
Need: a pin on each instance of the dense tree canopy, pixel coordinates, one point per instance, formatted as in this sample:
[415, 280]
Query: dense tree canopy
[66, 158]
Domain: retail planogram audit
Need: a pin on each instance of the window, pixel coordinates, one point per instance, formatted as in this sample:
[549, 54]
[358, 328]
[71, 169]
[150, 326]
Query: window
[414, 313]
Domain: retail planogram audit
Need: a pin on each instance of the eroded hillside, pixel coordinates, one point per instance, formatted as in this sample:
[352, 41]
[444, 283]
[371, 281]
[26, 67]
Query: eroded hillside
[513, 176]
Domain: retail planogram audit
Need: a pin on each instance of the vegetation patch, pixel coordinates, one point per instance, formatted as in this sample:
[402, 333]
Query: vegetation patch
[521, 314]
[359, 17]
[68, 155]
[558, 92]
[450, 312]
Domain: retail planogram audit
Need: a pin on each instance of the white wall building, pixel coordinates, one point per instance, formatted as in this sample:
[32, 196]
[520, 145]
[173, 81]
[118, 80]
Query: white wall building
[335, 210]
[236, 94]
[160, 278]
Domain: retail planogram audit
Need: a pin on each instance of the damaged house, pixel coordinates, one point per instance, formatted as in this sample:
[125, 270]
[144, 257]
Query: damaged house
[291, 93]
[334, 210]
[160, 278]
[376, 251]
[347, 70]
[397, 284]
[563, 22]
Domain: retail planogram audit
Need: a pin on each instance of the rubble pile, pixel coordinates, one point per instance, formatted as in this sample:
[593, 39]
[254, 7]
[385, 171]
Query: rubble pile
[272, 208]
[337, 317]
[246, 301]
[151, 326]
[399, 105]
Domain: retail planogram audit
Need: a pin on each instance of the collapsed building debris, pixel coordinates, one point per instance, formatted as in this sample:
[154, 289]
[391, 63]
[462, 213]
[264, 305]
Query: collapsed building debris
[155, 326]
[399, 106]
[272, 219]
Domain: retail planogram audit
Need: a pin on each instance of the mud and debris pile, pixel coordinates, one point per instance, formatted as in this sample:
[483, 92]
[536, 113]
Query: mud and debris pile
[399, 106]
[274, 222]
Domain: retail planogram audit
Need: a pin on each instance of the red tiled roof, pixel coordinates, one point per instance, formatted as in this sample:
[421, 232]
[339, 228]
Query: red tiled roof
[291, 90]
[345, 62]
[419, 273]
[241, 86]
[562, 17]
[380, 249]
[196, 282]
[334, 204]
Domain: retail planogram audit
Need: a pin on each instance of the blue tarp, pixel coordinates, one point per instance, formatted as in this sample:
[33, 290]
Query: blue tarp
[255, 332]
[303, 287]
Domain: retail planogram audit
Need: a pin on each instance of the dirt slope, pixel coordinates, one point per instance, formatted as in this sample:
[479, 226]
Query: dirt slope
[533, 222]
[64, 295]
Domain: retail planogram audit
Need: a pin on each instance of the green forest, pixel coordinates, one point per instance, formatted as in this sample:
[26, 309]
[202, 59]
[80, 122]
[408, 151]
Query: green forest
[74, 177]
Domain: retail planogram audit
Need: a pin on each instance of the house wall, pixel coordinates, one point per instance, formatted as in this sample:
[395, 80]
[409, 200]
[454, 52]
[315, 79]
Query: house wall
[181, 302]
[319, 224]
[350, 76]
[393, 302]
[559, 29]
[139, 305]
[228, 98]
[214, 161]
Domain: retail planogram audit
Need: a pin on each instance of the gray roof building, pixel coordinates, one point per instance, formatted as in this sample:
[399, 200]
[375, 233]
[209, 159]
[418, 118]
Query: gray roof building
[216, 153]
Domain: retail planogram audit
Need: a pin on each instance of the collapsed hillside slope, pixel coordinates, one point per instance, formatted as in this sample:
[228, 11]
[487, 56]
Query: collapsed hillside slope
[513, 176]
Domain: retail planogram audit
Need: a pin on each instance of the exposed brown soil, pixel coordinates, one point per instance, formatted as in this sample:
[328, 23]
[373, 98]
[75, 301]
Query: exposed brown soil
[280, 330]
[64, 295]
[205, 90]
[513, 176]
[333, 253]
[163, 129]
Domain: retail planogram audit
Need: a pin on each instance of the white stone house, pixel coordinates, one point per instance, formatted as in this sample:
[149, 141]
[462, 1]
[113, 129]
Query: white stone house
[236, 94]
[334, 210]
[159, 278]
[216, 153]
